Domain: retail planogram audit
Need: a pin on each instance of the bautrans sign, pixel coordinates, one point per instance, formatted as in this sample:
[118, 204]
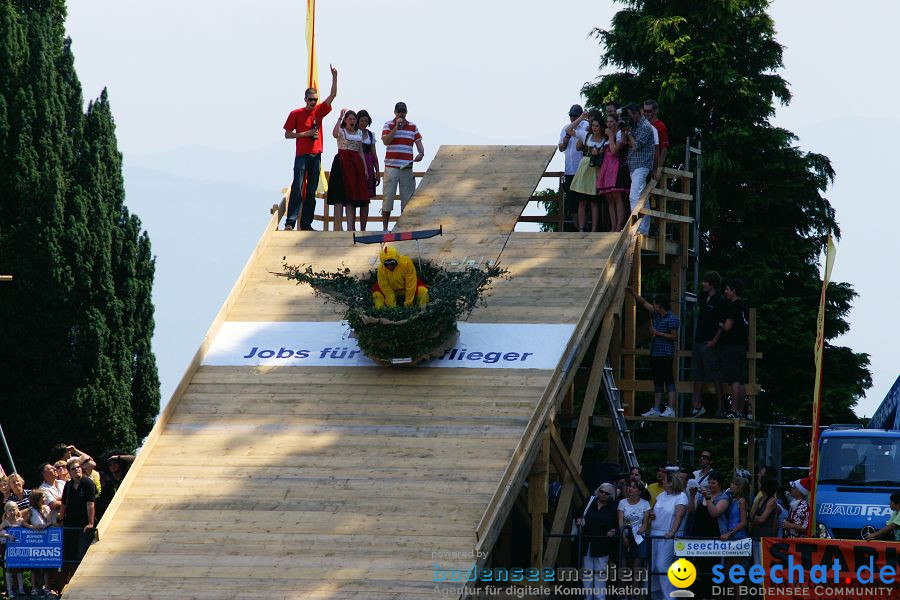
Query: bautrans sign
[713, 547]
[854, 510]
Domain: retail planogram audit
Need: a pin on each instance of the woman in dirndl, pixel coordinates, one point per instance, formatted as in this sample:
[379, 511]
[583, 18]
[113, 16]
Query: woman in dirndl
[584, 183]
[613, 178]
[370, 156]
[347, 187]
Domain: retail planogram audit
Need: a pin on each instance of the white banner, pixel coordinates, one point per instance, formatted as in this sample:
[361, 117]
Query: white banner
[713, 547]
[308, 344]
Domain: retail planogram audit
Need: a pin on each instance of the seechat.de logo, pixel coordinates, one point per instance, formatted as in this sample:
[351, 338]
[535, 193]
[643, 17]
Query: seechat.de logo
[682, 574]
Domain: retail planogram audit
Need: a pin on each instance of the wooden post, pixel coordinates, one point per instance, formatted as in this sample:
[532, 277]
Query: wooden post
[736, 443]
[751, 361]
[537, 501]
[661, 223]
[630, 336]
[672, 443]
[561, 205]
[685, 212]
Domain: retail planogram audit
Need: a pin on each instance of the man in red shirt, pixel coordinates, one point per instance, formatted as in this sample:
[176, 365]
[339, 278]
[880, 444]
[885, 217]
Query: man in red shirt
[651, 108]
[304, 125]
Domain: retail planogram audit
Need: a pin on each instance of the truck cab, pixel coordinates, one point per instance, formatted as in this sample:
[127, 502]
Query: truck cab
[858, 471]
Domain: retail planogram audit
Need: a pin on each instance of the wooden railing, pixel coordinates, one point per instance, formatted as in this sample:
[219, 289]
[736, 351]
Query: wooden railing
[326, 217]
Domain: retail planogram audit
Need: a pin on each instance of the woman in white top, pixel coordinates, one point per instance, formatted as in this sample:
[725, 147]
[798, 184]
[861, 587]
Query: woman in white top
[668, 515]
[634, 523]
[347, 186]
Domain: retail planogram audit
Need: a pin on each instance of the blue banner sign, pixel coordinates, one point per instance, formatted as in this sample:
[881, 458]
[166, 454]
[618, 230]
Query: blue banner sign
[34, 549]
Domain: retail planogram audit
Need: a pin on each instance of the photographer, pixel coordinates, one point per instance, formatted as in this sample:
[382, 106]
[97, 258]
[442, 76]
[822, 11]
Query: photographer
[638, 134]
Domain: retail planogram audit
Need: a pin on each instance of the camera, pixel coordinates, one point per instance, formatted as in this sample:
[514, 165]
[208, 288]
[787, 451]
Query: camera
[595, 160]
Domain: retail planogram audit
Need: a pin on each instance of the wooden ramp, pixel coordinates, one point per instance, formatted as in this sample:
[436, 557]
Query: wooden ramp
[354, 482]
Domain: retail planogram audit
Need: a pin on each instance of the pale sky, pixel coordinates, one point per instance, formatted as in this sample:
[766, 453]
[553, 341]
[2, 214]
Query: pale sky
[200, 91]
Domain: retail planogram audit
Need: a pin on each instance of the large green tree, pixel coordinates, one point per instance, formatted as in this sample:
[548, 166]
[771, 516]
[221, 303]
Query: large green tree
[714, 66]
[76, 323]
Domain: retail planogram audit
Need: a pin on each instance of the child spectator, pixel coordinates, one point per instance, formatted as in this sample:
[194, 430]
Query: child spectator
[891, 530]
[11, 518]
[40, 517]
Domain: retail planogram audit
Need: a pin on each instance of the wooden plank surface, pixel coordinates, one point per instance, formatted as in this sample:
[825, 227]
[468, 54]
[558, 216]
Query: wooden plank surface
[306, 482]
[476, 188]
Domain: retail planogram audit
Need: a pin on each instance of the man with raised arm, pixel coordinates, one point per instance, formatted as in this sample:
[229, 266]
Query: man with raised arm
[399, 135]
[304, 125]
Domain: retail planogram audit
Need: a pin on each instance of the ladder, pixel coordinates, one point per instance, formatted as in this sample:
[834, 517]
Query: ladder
[617, 416]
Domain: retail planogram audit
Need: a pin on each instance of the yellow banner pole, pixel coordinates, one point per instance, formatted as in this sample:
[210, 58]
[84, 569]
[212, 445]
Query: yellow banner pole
[819, 351]
[312, 71]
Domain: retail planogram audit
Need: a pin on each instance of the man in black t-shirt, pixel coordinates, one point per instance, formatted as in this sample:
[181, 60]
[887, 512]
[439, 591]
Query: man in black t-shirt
[735, 332]
[77, 514]
[705, 355]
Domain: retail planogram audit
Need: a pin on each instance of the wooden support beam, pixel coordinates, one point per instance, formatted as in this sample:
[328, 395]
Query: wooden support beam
[672, 443]
[682, 387]
[537, 501]
[563, 453]
[736, 443]
[660, 195]
[629, 313]
[666, 216]
[678, 173]
[681, 353]
[667, 193]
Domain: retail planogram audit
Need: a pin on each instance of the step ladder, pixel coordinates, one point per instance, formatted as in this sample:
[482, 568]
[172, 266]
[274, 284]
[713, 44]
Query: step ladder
[617, 416]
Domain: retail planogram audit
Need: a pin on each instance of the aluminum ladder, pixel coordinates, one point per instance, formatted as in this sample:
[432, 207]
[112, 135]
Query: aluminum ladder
[617, 416]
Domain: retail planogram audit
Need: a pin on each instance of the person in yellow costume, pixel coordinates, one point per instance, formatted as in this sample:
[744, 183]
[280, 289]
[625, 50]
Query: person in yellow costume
[397, 277]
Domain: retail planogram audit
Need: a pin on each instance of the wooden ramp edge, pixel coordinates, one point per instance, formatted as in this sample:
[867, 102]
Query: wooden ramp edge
[351, 482]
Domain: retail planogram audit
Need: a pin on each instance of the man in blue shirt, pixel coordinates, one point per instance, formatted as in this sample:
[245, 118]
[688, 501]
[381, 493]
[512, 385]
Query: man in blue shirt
[664, 327]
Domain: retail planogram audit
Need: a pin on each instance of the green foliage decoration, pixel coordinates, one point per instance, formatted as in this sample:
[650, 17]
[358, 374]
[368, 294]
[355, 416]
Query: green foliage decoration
[402, 332]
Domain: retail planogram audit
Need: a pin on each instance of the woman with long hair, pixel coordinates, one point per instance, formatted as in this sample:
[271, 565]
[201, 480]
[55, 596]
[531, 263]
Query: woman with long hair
[370, 155]
[599, 528]
[765, 517]
[347, 182]
[634, 523]
[613, 177]
[667, 516]
[736, 521]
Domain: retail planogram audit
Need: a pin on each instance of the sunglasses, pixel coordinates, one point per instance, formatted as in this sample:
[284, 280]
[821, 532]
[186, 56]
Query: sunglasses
[604, 492]
[312, 99]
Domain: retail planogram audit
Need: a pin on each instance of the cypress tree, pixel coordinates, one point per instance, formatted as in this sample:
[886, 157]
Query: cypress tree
[713, 66]
[76, 323]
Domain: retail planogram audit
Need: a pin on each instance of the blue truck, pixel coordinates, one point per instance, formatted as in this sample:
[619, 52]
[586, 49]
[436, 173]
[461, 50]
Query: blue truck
[859, 468]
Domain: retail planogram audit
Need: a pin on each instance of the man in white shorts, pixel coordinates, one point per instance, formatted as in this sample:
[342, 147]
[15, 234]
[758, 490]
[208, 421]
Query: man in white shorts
[399, 135]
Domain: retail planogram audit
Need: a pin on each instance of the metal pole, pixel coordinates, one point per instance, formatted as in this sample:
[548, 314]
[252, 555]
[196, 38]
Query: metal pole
[8, 453]
[697, 189]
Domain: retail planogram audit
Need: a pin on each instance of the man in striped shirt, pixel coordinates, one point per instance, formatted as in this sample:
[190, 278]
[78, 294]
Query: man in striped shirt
[399, 135]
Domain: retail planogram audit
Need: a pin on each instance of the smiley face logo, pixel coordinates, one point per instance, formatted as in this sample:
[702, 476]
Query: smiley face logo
[682, 573]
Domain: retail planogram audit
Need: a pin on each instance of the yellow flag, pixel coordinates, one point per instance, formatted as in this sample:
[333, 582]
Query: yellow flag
[819, 351]
[311, 69]
[313, 72]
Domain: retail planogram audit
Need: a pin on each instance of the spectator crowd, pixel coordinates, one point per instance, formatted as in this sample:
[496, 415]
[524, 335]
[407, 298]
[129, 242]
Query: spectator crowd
[611, 155]
[74, 492]
[634, 524]
[355, 170]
